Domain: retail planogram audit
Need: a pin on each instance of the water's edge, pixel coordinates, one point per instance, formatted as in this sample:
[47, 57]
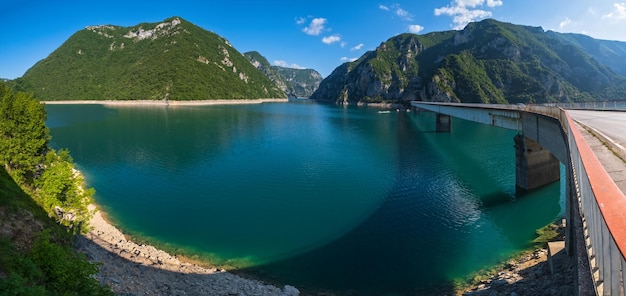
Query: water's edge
[106, 239]
[120, 256]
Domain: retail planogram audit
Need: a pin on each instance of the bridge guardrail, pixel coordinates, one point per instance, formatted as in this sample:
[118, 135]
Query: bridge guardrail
[603, 212]
[605, 105]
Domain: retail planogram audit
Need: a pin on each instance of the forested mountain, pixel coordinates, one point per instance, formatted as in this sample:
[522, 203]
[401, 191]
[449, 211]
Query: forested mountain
[173, 60]
[609, 53]
[486, 62]
[296, 83]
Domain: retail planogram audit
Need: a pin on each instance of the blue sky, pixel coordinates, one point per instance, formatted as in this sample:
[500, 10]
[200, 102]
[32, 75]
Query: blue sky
[319, 34]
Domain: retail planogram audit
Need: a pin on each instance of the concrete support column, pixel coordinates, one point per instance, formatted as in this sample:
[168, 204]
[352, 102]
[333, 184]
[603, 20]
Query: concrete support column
[535, 166]
[443, 123]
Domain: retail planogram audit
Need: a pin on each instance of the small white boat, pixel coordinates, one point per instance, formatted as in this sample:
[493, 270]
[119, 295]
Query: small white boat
[384, 111]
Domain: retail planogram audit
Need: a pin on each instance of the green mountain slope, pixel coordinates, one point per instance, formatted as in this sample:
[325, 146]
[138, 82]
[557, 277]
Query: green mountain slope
[173, 60]
[296, 83]
[609, 53]
[488, 61]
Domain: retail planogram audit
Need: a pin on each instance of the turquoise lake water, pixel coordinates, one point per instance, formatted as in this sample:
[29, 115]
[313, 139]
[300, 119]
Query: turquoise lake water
[316, 196]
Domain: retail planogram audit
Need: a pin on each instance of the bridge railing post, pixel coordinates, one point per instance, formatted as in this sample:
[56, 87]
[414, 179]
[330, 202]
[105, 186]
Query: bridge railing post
[616, 269]
[623, 275]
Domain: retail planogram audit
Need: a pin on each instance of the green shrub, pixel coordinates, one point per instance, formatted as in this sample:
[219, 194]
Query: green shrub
[60, 188]
[65, 271]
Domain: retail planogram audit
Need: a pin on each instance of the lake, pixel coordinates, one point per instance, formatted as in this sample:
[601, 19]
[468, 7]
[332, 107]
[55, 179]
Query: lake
[321, 197]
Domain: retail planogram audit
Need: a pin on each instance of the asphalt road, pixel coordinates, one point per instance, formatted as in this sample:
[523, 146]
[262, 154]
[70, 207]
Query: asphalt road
[610, 123]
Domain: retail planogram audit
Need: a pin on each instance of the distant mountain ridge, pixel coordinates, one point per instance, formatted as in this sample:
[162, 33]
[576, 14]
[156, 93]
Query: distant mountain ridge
[486, 62]
[296, 83]
[170, 60]
[609, 53]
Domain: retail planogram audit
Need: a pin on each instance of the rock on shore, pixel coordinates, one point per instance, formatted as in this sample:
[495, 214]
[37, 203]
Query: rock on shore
[133, 269]
[530, 274]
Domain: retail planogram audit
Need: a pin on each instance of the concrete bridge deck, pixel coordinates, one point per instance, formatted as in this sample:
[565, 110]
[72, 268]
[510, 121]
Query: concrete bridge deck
[605, 132]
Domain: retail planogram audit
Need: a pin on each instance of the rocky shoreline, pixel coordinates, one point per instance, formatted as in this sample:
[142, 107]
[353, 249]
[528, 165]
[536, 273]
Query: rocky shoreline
[529, 274]
[129, 268]
[135, 269]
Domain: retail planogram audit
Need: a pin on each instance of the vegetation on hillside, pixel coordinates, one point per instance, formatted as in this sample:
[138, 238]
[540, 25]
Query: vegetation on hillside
[296, 83]
[608, 53]
[172, 60]
[486, 62]
[42, 206]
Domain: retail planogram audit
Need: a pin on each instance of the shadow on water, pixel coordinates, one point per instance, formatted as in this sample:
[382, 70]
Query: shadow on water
[372, 258]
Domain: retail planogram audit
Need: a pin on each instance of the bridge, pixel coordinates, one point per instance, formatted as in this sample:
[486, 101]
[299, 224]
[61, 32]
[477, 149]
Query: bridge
[595, 206]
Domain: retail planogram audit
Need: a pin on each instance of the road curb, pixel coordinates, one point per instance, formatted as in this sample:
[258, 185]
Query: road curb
[615, 147]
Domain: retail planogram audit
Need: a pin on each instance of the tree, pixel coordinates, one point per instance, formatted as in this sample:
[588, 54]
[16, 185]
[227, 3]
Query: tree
[23, 134]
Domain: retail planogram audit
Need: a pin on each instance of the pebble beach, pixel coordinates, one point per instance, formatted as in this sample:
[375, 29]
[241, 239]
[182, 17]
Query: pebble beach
[136, 269]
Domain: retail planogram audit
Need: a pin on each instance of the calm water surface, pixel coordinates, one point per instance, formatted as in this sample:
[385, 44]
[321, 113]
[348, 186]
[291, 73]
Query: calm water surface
[317, 196]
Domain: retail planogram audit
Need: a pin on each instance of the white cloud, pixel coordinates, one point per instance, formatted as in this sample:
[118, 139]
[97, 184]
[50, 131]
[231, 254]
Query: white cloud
[347, 59]
[565, 23]
[300, 20]
[591, 11]
[284, 64]
[331, 39]
[469, 3]
[397, 10]
[315, 27]
[601, 22]
[357, 47]
[415, 29]
[466, 11]
[619, 13]
[403, 14]
[494, 3]
[477, 3]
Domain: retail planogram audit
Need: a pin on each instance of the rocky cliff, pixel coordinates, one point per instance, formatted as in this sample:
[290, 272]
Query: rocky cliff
[487, 62]
[296, 83]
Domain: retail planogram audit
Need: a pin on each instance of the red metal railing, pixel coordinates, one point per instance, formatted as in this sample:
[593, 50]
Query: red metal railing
[603, 212]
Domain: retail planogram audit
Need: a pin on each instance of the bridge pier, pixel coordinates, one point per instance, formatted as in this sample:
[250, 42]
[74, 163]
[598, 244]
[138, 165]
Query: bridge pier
[534, 165]
[443, 123]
